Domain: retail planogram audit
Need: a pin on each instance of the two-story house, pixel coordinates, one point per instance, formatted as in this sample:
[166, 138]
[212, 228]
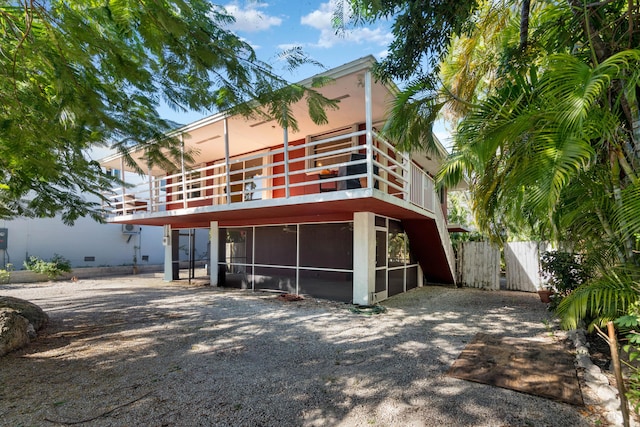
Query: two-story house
[330, 211]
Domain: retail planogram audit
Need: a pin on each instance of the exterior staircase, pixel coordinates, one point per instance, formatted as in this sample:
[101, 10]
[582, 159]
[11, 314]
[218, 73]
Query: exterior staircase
[431, 245]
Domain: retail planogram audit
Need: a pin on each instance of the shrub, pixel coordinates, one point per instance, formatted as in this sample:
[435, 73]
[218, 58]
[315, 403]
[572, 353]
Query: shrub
[563, 271]
[5, 275]
[52, 268]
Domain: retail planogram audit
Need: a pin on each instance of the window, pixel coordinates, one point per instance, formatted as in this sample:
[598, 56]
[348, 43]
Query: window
[398, 245]
[331, 159]
[247, 180]
[325, 150]
[326, 245]
[193, 185]
[113, 172]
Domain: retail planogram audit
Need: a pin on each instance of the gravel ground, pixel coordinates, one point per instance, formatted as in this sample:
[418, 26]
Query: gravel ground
[138, 351]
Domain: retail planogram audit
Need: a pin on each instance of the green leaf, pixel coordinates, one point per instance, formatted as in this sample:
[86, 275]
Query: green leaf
[84, 74]
[627, 321]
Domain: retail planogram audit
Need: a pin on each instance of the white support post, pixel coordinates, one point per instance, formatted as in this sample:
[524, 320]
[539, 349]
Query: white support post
[253, 257]
[285, 136]
[184, 174]
[226, 161]
[369, 127]
[124, 188]
[406, 171]
[168, 253]
[297, 259]
[150, 177]
[214, 238]
[364, 258]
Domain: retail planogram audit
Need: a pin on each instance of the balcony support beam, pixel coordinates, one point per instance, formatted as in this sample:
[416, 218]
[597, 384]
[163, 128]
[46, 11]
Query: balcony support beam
[150, 178]
[214, 237]
[364, 258]
[285, 136]
[124, 188]
[406, 172]
[369, 127]
[183, 172]
[168, 253]
[226, 160]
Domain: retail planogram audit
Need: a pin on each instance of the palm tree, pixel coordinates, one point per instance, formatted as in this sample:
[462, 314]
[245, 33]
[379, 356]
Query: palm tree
[555, 148]
[541, 136]
[466, 73]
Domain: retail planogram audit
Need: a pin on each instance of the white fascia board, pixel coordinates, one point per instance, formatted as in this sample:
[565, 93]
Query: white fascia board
[443, 151]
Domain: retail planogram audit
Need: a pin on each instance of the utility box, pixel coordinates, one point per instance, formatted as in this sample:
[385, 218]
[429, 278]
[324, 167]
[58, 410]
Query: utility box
[130, 229]
[4, 232]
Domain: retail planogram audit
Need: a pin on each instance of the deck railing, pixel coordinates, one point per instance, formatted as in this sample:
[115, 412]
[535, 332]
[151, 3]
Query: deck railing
[313, 168]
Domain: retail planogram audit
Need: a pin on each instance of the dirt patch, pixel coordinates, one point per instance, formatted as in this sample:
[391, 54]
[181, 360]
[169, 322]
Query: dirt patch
[599, 351]
[138, 351]
[289, 297]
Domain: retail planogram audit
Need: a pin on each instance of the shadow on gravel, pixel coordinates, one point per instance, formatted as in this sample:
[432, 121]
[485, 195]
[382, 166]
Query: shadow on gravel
[164, 354]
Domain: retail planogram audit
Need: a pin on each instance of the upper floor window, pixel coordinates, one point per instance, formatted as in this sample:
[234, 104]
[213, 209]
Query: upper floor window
[113, 172]
[193, 183]
[247, 179]
[326, 154]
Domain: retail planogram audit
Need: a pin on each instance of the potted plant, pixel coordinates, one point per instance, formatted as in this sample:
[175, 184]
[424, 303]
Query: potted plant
[545, 293]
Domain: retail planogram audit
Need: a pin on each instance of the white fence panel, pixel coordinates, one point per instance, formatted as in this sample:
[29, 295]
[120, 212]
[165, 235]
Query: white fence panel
[522, 262]
[479, 265]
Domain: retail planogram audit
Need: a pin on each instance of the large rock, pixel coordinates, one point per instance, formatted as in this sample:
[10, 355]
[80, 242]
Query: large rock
[19, 321]
[32, 312]
[14, 331]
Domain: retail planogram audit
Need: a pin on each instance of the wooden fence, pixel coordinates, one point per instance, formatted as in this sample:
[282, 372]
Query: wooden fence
[522, 265]
[479, 265]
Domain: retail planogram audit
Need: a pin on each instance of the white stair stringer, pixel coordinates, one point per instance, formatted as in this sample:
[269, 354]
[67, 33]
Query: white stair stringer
[445, 240]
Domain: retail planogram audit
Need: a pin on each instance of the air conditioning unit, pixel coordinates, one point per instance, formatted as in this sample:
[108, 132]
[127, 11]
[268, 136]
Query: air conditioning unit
[130, 229]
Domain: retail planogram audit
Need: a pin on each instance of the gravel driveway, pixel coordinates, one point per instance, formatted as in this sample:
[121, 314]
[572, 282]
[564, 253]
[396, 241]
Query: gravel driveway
[138, 351]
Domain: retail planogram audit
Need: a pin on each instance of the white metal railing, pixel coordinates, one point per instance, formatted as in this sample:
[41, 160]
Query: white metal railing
[422, 191]
[262, 175]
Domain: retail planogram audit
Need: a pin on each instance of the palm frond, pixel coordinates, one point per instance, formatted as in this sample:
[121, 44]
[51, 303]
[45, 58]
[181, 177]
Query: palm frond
[602, 299]
[627, 214]
[412, 113]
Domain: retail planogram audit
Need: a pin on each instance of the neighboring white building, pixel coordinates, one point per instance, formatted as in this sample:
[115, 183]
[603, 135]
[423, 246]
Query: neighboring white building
[86, 244]
[91, 244]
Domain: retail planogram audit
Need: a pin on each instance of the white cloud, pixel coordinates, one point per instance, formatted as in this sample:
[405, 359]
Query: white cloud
[320, 19]
[250, 17]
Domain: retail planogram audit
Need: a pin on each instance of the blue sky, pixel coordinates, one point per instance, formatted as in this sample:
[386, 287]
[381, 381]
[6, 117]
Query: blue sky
[280, 24]
[274, 25]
